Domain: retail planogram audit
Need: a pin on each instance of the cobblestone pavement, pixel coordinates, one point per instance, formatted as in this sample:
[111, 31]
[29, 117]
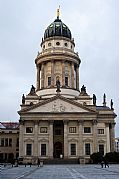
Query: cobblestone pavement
[59, 172]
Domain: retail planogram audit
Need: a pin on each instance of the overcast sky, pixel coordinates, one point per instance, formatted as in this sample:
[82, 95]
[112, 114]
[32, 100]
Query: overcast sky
[95, 27]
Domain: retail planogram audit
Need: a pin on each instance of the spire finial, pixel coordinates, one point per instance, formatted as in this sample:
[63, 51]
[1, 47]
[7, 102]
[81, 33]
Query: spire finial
[58, 12]
[104, 99]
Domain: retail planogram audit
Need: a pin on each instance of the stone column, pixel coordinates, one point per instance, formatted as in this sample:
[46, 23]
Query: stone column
[21, 139]
[77, 77]
[72, 74]
[108, 139]
[36, 138]
[42, 76]
[65, 139]
[51, 139]
[80, 146]
[38, 77]
[112, 137]
[52, 73]
[95, 149]
[63, 73]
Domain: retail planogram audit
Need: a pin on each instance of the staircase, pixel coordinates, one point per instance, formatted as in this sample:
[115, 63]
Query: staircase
[60, 161]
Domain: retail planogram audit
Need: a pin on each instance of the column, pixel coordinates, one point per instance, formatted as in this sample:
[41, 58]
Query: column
[112, 137]
[108, 139]
[52, 73]
[80, 146]
[38, 77]
[63, 73]
[95, 149]
[36, 138]
[72, 74]
[77, 77]
[51, 139]
[21, 139]
[65, 139]
[42, 75]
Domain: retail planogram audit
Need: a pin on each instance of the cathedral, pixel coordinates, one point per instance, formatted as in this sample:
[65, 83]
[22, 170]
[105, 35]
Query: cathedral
[57, 118]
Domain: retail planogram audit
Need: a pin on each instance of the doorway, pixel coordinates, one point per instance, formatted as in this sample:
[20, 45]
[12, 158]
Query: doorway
[58, 138]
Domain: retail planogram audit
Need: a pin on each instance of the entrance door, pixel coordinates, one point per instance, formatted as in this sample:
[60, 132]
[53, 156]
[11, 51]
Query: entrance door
[58, 138]
[57, 149]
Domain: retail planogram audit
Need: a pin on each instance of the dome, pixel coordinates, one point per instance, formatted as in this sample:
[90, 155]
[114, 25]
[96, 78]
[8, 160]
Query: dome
[57, 28]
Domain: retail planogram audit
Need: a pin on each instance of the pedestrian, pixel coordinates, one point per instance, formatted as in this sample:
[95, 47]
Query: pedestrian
[106, 163]
[101, 163]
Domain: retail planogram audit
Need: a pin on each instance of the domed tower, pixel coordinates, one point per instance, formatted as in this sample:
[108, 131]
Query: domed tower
[57, 61]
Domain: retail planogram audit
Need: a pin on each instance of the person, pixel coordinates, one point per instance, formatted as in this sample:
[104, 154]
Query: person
[106, 163]
[102, 162]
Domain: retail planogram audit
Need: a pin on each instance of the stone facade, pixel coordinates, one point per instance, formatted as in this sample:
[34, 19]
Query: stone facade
[61, 121]
[9, 141]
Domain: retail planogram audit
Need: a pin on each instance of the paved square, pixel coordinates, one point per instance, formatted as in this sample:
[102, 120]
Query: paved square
[59, 172]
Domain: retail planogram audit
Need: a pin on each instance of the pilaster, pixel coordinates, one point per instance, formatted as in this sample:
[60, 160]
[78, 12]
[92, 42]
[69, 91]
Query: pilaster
[36, 138]
[52, 73]
[51, 139]
[63, 73]
[42, 75]
[95, 136]
[72, 74]
[77, 77]
[80, 146]
[65, 139]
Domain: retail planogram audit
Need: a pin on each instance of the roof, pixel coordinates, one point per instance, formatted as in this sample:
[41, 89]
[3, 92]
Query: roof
[102, 108]
[9, 125]
[57, 28]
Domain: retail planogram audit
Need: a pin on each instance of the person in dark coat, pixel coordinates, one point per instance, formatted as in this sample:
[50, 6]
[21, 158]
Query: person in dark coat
[105, 162]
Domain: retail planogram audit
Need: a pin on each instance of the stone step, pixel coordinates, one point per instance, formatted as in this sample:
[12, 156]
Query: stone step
[60, 161]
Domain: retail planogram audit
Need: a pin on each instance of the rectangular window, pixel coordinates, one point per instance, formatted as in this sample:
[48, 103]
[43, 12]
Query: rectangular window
[49, 81]
[28, 149]
[10, 142]
[73, 149]
[87, 129]
[101, 149]
[72, 129]
[87, 149]
[66, 81]
[2, 142]
[43, 130]
[6, 142]
[43, 149]
[29, 129]
[100, 131]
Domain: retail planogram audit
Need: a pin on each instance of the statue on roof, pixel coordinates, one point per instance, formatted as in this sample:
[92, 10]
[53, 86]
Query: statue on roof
[83, 90]
[111, 103]
[104, 99]
[94, 99]
[23, 99]
[32, 91]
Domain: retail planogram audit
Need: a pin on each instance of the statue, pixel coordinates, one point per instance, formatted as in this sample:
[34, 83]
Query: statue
[23, 99]
[83, 90]
[104, 100]
[32, 91]
[111, 104]
[58, 85]
[94, 99]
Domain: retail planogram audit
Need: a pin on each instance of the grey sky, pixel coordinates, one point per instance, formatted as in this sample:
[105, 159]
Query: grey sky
[95, 28]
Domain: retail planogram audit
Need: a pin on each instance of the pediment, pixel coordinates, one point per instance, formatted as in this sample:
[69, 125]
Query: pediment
[58, 104]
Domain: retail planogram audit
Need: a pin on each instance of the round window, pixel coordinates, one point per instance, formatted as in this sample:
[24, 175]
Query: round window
[66, 44]
[57, 43]
[49, 44]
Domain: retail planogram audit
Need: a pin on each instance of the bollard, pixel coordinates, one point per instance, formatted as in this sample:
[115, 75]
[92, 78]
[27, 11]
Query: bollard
[25, 165]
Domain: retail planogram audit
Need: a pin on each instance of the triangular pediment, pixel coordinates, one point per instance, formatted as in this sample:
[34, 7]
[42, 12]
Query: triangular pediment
[58, 104]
